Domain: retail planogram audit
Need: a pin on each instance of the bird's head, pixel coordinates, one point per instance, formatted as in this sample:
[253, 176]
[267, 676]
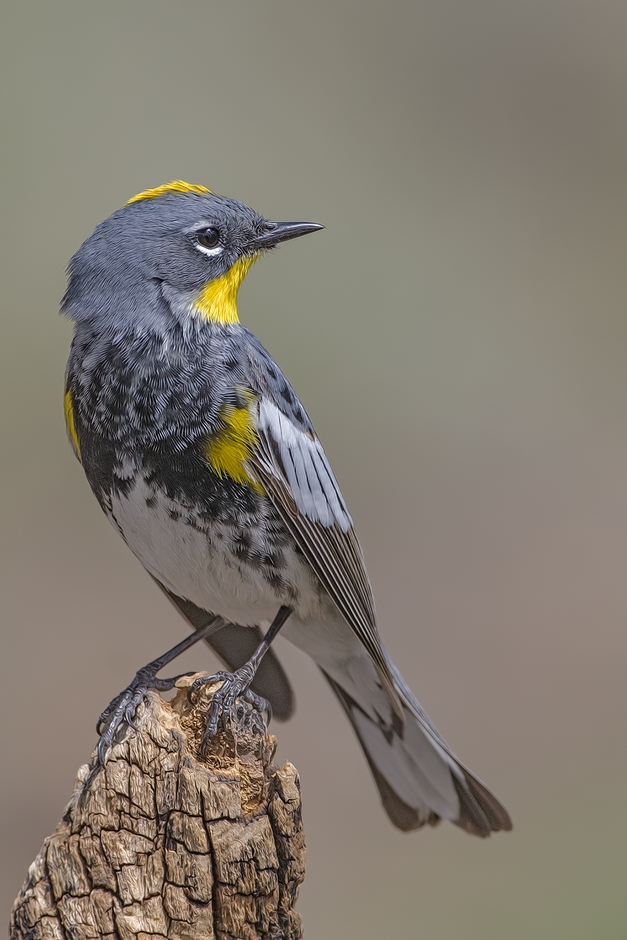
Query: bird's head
[180, 242]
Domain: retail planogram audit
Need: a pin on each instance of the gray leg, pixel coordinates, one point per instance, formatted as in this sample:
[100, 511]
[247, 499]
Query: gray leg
[237, 684]
[124, 706]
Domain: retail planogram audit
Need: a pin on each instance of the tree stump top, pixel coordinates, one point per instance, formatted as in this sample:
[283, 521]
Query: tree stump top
[166, 843]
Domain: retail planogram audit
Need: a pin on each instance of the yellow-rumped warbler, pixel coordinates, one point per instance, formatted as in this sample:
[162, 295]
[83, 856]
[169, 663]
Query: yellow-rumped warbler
[204, 460]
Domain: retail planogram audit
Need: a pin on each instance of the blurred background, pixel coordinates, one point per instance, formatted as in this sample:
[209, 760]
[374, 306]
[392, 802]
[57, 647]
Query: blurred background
[458, 335]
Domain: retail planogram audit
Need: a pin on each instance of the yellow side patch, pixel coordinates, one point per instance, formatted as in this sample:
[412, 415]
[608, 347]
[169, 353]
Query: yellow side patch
[68, 408]
[176, 186]
[228, 451]
[217, 301]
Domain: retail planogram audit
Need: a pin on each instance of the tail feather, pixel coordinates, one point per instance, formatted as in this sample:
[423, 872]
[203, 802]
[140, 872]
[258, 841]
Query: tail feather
[404, 816]
[419, 779]
[480, 811]
[413, 767]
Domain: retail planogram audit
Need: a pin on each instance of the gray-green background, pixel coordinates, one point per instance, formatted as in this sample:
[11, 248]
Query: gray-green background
[458, 335]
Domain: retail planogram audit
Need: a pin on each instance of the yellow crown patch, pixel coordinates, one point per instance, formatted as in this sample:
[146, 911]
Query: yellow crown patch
[176, 186]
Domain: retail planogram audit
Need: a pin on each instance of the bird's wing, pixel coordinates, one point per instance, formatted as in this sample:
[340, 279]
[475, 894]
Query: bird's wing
[295, 474]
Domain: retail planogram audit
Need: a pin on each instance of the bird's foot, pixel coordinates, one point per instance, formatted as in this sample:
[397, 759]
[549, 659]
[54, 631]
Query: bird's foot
[234, 685]
[123, 708]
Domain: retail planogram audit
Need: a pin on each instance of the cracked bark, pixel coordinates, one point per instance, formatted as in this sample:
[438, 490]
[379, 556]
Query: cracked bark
[163, 843]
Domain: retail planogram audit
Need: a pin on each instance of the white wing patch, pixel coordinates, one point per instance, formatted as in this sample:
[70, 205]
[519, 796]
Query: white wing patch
[305, 466]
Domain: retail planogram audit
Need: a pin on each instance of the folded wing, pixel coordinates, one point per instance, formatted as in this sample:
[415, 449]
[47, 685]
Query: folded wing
[291, 465]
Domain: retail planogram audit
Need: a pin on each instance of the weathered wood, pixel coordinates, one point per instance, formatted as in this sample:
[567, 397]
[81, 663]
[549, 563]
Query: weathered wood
[165, 843]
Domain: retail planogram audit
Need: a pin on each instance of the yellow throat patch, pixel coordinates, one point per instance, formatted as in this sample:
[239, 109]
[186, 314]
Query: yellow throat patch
[229, 450]
[217, 301]
[176, 186]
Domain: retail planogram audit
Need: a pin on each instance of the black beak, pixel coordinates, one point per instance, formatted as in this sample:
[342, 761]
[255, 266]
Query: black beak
[283, 231]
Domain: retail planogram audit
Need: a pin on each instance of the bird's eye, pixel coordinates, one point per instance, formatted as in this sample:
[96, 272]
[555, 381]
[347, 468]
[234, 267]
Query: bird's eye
[208, 238]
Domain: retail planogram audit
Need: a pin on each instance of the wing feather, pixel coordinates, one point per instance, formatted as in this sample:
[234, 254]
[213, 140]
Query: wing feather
[291, 466]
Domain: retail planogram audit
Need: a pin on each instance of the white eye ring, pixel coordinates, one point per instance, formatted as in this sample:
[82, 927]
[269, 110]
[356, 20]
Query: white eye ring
[207, 241]
[210, 251]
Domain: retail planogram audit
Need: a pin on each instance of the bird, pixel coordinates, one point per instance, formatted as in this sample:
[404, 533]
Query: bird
[205, 461]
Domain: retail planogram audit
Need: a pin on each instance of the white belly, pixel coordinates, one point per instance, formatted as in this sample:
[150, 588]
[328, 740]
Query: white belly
[193, 559]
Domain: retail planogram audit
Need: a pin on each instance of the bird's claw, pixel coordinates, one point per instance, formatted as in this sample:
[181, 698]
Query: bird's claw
[123, 709]
[234, 685]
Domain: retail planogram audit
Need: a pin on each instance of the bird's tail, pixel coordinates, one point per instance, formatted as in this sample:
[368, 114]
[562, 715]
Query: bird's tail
[419, 779]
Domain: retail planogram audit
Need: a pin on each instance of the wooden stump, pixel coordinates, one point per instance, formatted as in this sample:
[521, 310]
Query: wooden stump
[164, 843]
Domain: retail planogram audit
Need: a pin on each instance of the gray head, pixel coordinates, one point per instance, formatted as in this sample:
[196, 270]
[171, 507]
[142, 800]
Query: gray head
[180, 242]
